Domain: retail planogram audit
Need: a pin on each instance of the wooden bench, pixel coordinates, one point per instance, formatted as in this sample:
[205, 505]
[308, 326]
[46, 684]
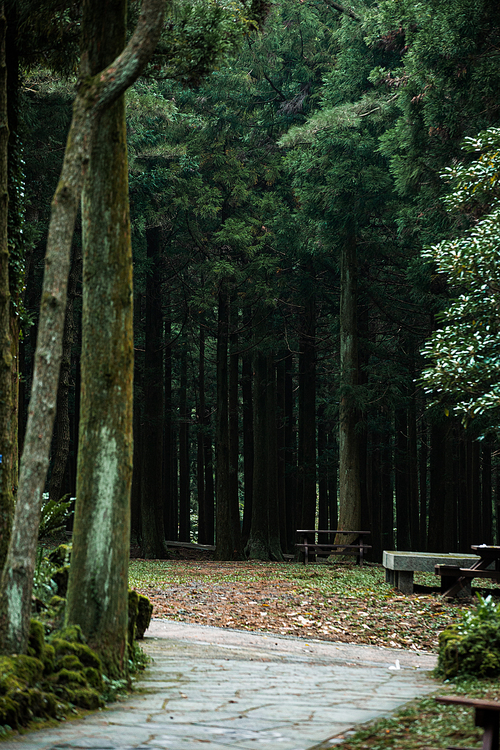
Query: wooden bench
[456, 580]
[487, 716]
[311, 545]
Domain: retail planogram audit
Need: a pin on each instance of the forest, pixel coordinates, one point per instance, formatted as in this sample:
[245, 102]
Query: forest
[314, 229]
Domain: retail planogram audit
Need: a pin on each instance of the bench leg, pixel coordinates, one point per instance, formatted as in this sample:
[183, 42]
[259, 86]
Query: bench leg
[451, 586]
[404, 581]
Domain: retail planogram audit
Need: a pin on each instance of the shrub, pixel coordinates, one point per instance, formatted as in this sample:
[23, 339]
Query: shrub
[472, 646]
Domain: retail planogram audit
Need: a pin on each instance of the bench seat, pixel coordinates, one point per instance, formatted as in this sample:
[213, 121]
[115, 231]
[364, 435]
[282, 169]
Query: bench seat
[309, 545]
[401, 565]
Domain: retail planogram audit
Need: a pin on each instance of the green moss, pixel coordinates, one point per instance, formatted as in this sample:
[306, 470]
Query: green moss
[68, 677]
[48, 658]
[36, 640]
[85, 654]
[133, 611]
[70, 661]
[60, 578]
[87, 698]
[60, 555]
[143, 616]
[94, 678]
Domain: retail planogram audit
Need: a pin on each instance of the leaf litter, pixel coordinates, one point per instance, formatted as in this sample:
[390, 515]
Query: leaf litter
[340, 602]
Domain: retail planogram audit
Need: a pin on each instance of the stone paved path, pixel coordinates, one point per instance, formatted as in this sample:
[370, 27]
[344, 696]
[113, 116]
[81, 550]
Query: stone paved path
[216, 689]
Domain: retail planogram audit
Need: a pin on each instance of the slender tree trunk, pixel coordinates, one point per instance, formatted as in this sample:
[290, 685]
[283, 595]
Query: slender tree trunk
[272, 463]
[486, 496]
[153, 533]
[209, 490]
[280, 437]
[349, 459]
[322, 475]
[401, 480]
[200, 436]
[6, 362]
[307, 416]
[248, 458]
[258, 543]
[227, 542]
[169, 497]
[184, 483]
[233, 403]
[292, 519]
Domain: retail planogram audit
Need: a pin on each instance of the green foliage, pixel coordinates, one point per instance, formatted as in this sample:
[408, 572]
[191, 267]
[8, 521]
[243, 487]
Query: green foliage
[465, 350]
[472, 646]
[54, 515]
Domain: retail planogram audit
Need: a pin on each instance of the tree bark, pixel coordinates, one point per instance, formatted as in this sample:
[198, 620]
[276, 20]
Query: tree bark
[349, 458]
[184, 483]
[153, 534]
[228, 540]
[6, 362]
[62, 431]
[95, 95]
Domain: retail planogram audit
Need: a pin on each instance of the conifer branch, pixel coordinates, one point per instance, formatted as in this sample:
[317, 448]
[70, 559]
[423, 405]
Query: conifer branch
[342, 9]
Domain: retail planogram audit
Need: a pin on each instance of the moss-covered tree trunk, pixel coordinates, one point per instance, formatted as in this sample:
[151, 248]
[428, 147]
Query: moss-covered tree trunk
[97, 591]
[94, 97]
[6, 446]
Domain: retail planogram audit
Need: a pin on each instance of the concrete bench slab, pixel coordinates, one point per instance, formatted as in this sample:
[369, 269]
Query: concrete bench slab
[400, 566]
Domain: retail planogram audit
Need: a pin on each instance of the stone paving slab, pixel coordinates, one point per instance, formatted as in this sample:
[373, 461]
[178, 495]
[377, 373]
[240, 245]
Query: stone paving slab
[216, 688]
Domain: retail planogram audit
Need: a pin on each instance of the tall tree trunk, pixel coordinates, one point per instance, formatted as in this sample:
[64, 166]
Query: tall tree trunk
[486, 496]
[292, 519]
[248, 457]
[209, 490]
[401, 480]
[200, 436]
[233, 404]
[152, 529]
[307, 416]
[227, 542]
[97, 95]
[272, 463]
[62, 431]
[349, 458]
[258, 543]
[184, 483]
[6, 361]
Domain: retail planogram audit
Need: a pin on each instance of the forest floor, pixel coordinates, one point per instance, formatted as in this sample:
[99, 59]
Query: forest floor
[332, 602]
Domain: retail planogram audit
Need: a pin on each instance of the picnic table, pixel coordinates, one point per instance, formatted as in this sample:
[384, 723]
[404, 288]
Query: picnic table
[455, 579]
[310, 543]
[487, 716]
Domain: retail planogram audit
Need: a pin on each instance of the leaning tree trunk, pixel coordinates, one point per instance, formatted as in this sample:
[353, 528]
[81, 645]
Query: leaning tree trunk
[349, 449]
[95, 95]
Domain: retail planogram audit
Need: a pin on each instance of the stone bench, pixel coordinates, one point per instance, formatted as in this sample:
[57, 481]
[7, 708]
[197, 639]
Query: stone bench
[400, 566]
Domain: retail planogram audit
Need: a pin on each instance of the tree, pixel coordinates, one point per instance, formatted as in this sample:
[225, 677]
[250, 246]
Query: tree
[95, 95]
[6, 398]
[465, 349]
[98, 582]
